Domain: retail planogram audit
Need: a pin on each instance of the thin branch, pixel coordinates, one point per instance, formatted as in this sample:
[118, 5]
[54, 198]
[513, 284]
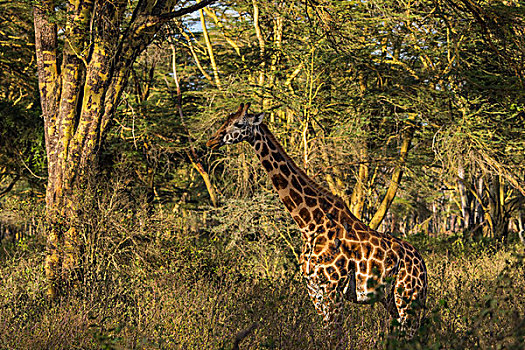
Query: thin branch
[210, 50]
[10, 186]
[28, 169]
[194, 54]
[184, 11]
[190, 152]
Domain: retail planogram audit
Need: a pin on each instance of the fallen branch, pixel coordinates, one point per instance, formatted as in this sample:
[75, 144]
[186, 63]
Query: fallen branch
[243, 334]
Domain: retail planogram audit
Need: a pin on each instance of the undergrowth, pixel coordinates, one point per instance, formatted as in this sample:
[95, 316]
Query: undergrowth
[151, 283]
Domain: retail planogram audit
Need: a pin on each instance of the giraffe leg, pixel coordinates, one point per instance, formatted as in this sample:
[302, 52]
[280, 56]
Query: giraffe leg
[390, 306]
[409, 304]
[328, 303]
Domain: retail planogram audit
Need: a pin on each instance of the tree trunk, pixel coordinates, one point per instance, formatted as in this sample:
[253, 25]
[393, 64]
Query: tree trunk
[357, 202]
[78, 100]
[497, 216]
[464, 195]
[521, 226]
[479, 212]
[395, 180]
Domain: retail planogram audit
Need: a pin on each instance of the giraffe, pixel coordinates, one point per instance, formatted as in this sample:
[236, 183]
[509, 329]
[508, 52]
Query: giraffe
[341, 258]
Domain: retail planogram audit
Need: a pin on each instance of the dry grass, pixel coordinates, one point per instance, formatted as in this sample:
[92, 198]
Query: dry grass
[168, 290]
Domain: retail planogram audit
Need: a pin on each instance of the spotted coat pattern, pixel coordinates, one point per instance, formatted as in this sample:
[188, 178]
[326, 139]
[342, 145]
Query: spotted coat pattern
[341, 256]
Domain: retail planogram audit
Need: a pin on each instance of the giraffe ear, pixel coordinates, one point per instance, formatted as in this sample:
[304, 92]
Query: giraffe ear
[256, 119]
[243, 109]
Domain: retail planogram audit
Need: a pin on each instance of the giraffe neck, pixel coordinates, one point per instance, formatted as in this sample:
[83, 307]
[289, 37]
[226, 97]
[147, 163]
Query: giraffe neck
[309, 204]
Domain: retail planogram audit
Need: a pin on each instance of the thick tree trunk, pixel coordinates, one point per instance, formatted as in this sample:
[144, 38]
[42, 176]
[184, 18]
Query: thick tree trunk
[74, 106]
[78, 100]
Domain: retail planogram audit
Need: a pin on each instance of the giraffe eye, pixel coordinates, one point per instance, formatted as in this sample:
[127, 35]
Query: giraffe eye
[238, 124]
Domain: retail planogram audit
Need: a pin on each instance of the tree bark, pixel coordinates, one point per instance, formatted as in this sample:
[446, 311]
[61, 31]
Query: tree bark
[496, 215]
[357, 201]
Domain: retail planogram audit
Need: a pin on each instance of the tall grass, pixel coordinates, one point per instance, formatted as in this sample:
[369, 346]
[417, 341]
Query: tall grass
[151, 283]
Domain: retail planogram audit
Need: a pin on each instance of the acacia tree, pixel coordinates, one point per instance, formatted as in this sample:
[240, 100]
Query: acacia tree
[97, 42]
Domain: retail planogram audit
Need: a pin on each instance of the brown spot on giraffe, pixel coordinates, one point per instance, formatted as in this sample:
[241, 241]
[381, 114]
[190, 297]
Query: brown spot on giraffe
[380, 254]
[340, 263]
[279, 182]
[296, 197]
[267, 165]
[366, 249]
[310, 201]
[305, 214]
[318, 216]
[341, 253]
[331, 234]
[285, 170]
[295, 184]
[319, 244]
[288, 203]
[277, 157]
[264, 151]
[302, 181]
[325, 205]
[359, 226]
[309, 191]
[363, 236]
[270, 143]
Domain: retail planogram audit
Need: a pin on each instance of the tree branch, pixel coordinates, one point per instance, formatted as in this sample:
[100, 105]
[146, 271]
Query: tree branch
[10, 186]
[239, 337]
[184, 11]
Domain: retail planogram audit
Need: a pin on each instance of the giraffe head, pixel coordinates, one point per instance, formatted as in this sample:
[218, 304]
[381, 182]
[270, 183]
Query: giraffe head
[238, 127]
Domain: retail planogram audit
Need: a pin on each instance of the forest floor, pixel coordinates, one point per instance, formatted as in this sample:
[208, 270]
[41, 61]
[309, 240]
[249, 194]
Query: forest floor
[153, 285]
